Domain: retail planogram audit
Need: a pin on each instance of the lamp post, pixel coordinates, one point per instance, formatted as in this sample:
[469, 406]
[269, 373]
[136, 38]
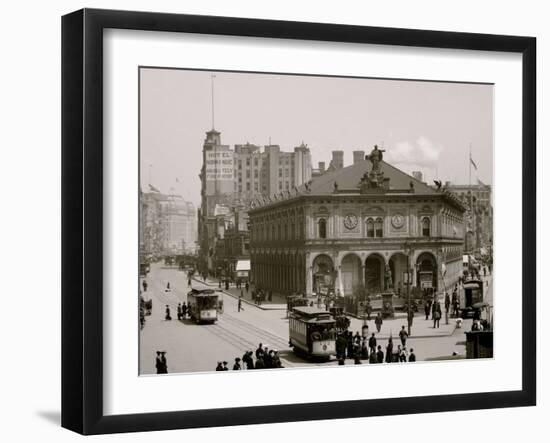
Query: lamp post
[408, 248]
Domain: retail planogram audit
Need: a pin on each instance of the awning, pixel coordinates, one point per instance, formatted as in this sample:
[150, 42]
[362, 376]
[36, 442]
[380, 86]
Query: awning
[243, 265]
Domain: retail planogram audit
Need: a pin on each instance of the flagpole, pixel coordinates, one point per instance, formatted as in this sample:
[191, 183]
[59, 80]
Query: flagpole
[212, 77]
[471, 193]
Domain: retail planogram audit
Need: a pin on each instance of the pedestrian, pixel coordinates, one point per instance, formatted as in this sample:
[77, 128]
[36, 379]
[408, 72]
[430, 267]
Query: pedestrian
[219, 366]
[227, 285]
[378, 322]
[220, 283]
[455, 309]
[270, 295]
[167, 316]
[389, 350]
[144, 283]
[379, 355]
[276, 360]
[372, 357]
[225, 368]
[368, 309]
[268, 358]
[403, 335]
[436, 315]
[158, 363]
[240, 304]
[427, 309]
[403, 355]
[237, 364]
[260, 351]
[183, 311]
[350, 344]
[168, 287]
[364, 349]
[161, 365]
[247, 287]
[372, 344]
[412, 356]
[356, 338]
[410, 318]
[341, 344]
[179, 311]
[447, 301]
[259, 364]
[341, 361]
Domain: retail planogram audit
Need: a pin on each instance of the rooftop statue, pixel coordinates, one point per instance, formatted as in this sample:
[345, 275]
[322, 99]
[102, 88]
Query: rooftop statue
[375, 158]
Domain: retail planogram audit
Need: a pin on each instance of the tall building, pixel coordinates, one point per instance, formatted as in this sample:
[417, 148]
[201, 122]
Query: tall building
[168, 224]
[234, 178]
[479, 214]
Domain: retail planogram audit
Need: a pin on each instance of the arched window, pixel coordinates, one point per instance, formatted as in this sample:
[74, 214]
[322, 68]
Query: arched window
[378, 228]
[370, 227]
[426, 227]
[322, 228]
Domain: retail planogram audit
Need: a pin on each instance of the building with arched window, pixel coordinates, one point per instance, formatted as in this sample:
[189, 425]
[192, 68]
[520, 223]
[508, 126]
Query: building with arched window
[357, 226]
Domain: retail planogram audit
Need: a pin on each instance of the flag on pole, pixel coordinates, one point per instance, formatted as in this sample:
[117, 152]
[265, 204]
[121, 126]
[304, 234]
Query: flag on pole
[473, 163]
[152, 188]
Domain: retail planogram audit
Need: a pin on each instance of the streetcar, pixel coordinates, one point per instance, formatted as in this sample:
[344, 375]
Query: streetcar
[204, 305]
[472, 297]
[312, 332]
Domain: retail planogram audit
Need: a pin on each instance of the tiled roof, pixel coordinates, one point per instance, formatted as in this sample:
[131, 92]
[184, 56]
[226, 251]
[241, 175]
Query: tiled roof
[350, 176]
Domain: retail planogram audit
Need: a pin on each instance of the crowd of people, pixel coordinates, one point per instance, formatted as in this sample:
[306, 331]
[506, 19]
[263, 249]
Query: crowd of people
[262, 358]
[361, 347]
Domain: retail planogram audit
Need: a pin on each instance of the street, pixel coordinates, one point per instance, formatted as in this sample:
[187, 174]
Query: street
[196, 348]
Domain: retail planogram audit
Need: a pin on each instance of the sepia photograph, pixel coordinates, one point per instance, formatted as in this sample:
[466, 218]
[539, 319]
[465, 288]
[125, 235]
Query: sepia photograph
[295, 221]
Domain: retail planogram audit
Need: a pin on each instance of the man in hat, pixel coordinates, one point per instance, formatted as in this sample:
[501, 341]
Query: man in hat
[379, 355]
[161, 365]
[219, 367]
[237, 364]
[412, 356]
[167, 316]
[225, 368]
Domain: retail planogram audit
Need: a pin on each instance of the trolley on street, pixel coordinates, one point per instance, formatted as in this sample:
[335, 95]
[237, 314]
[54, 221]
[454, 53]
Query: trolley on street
[312, 332]
[472, 295]
[204, 305]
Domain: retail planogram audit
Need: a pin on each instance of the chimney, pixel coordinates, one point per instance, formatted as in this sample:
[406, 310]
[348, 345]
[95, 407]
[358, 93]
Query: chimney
[322, 167]
[358, 156]
[338, 159]
[417, 175]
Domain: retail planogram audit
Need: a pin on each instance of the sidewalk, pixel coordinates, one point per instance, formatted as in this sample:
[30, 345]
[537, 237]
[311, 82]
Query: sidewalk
[420, 328]
[277, 303]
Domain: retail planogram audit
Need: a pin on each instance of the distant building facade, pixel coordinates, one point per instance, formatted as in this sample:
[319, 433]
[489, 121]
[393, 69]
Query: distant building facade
[479, 214]
[168, 224]
[355, 226]
[234, 178]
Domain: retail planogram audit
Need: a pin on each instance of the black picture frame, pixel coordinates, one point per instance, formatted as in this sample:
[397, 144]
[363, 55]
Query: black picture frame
[82, 218]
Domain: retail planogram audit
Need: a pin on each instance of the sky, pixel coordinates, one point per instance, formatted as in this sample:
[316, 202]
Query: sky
[426, 126]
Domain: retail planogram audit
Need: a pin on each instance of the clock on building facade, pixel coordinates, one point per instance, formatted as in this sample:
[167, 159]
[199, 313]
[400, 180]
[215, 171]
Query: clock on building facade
[398, 221]
[350, 221]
